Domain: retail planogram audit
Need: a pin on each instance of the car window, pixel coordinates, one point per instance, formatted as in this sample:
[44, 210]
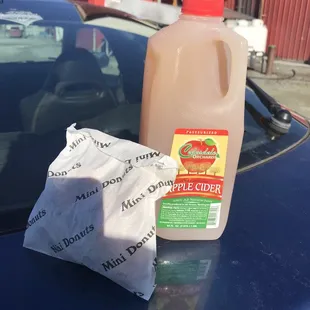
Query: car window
[94, 40]
[54, 74]
[20, 43]
[68, 73]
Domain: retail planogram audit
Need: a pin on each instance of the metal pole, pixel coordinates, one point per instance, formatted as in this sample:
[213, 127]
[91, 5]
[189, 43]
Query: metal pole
[261, 9]
[240, 6]
[271, 57]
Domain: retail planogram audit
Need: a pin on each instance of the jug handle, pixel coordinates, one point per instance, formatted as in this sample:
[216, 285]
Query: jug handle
[238, 55]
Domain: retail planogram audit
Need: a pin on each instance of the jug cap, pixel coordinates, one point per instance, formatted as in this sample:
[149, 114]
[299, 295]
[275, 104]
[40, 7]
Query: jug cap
[203, 7]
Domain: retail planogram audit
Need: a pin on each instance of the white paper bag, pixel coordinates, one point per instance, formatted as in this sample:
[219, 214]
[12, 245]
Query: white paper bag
[97, 208]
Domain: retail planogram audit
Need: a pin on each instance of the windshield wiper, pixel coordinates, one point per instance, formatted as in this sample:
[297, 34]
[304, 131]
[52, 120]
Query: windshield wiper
[280, 120]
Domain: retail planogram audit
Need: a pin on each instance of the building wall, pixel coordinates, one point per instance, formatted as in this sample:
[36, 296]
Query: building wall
[231, 4]
[288, 22]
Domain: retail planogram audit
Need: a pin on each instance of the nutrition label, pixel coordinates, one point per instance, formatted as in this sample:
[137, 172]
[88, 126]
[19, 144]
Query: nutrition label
[193, 212]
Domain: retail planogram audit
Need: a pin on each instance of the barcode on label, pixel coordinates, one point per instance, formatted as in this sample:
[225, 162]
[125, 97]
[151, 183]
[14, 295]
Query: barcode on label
[214, 215]
[203, 269]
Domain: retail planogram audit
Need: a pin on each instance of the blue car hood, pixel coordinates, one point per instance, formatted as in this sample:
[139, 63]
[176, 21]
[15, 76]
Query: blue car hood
[261, 262]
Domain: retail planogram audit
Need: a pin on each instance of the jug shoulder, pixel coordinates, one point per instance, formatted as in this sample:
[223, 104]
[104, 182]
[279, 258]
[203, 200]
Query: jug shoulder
[165, 32]
[232, 34]
[182, 33]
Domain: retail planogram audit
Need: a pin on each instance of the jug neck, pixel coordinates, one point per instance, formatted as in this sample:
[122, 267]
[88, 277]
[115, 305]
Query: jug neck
[208, 19]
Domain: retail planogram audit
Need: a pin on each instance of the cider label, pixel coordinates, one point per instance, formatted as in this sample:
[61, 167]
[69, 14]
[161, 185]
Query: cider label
[194, 200]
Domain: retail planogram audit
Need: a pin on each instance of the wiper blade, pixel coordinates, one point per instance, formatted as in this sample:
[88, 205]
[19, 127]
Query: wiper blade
[281, 118]
[270, 103]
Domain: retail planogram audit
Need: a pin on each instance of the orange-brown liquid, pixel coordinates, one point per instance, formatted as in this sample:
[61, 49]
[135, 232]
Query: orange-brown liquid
[194, 77]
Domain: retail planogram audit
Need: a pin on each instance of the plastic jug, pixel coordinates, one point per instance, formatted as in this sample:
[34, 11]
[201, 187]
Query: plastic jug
[193, 110]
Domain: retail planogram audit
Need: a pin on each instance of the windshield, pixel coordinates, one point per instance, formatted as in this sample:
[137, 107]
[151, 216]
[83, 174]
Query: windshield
[29, 43]
[55, 73]
[259, 143]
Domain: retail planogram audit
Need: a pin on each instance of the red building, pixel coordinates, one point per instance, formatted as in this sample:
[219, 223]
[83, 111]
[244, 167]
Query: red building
[288, 23]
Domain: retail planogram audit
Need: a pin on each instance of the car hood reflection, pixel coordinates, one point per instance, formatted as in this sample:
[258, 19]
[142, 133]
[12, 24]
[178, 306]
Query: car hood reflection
[185, 272]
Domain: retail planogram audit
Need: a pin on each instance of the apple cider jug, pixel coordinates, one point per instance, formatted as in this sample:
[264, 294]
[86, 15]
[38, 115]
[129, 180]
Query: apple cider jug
[193, 109]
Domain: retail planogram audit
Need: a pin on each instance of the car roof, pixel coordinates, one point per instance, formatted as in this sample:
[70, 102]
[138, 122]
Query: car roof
[50, 11]
[89, 12]
[64, 11]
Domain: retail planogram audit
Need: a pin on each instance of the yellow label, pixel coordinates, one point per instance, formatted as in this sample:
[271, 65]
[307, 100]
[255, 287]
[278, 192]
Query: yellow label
[194, 200]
